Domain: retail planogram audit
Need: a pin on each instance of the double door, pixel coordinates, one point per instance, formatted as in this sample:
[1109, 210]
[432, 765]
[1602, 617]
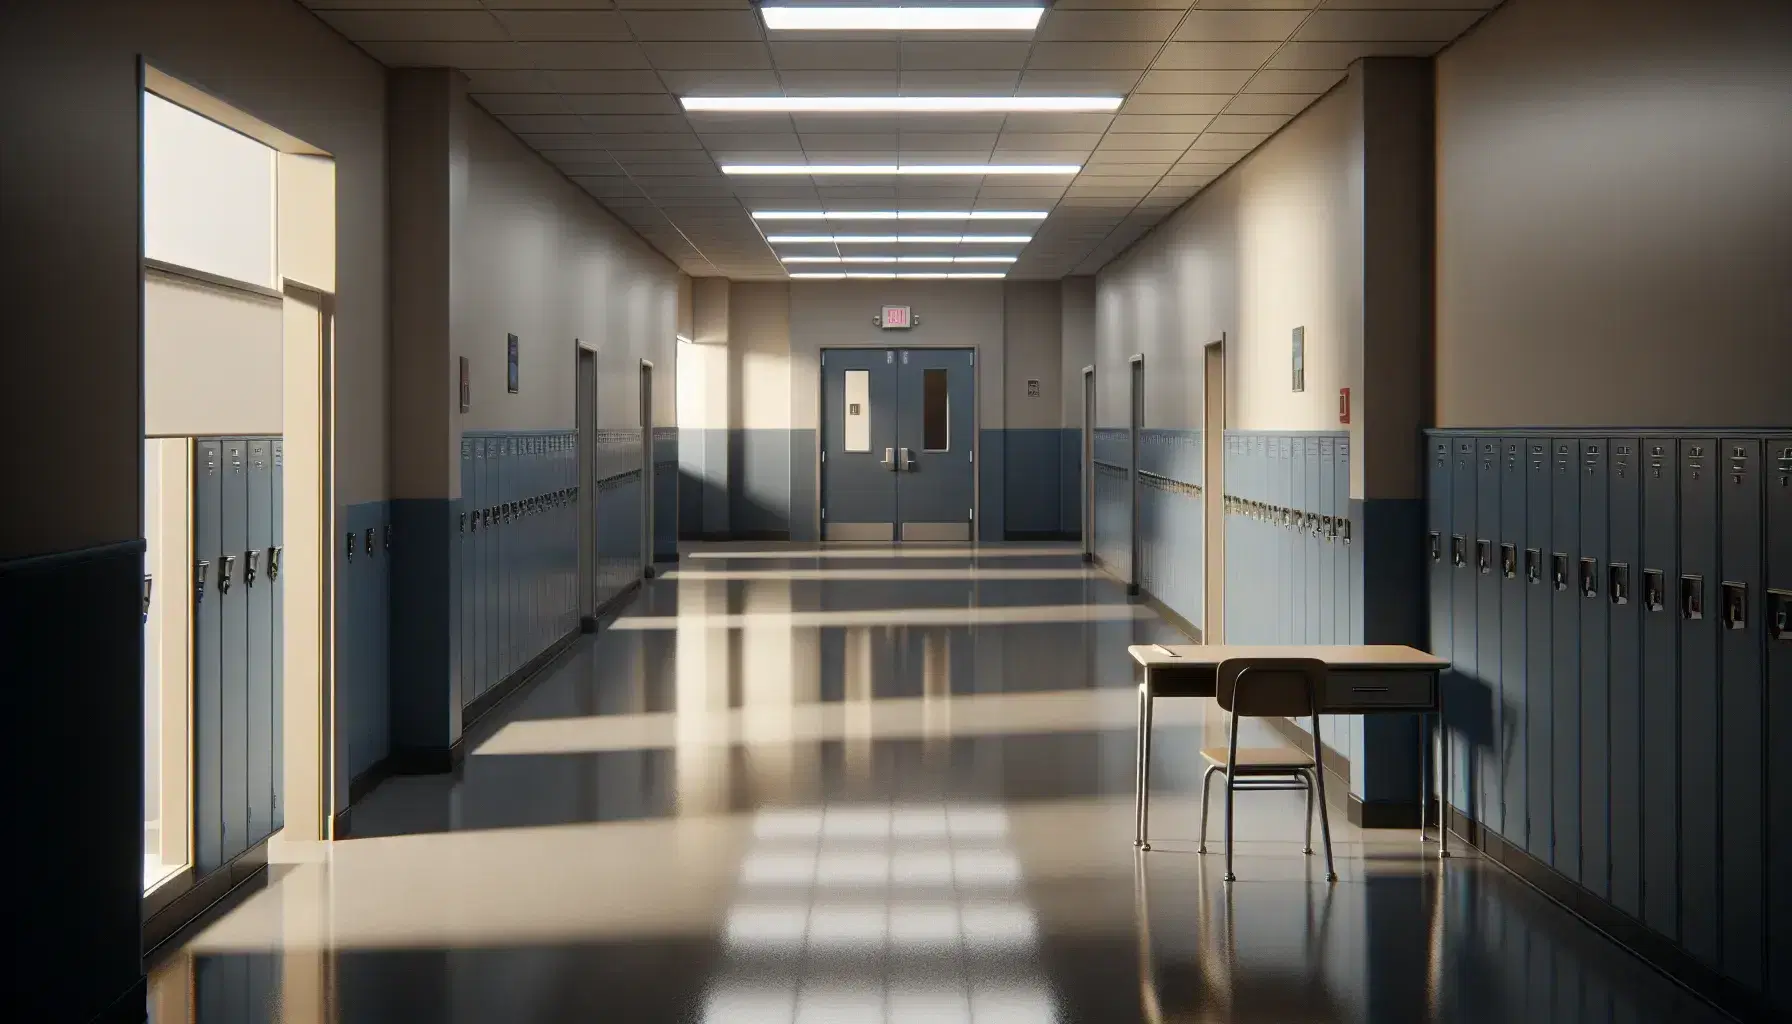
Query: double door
[898, 459]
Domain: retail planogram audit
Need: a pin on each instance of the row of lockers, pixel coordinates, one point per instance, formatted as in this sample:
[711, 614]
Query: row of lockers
[237, 645]
[519, 552]
[1616, 610]
[1113, 518]
[1171, 543]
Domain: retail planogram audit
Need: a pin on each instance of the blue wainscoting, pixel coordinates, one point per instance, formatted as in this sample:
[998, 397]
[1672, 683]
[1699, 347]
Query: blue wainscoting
[1617, 606]
[363, 559]
[665, 495]
[1070, 482]
[1113, 504]
[1032, 482]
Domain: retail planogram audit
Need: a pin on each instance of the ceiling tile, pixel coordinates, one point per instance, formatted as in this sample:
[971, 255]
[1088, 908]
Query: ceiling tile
[857, 142]
[502, 56]
[633, 159]
[1128, 123]
[1076, 83]
[1020, 191]
[524, 124]
[1207, 26]
[1106, 26]
[1319, 56]
[839, 83]
[1194, 81]
[574, 56]
[1215, 56]
[559, 140]
[951, 83]
[429, 26]
[951, 122]
[1147, 141]
[1387, 25]
[1276, 81]
[959, 56]
[721, 83]
[946, 142]
[1263, 124]
[616, 143]
[1061, 141]
[1073, 5]
[1092, 56]
[1228, 141]
[1270, 103]
[563, 26]
[683, 25]
[517, 82]
[700, 56]
[636, 123]
[574, 81]
[867, 55]
[733, 123]
[1176, 103]
[1180, 180]
[1482, 5]
[1057, 122]
[502, 104]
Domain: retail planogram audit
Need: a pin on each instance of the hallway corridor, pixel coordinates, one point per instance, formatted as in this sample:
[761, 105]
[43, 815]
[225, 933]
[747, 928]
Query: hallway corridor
[852, 785]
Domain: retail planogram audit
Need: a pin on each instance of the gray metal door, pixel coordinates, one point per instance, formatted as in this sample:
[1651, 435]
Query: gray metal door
[858, 445]
[935, 438]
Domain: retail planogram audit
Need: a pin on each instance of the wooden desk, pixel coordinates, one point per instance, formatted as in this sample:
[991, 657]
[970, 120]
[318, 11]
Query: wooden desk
[1363, 679]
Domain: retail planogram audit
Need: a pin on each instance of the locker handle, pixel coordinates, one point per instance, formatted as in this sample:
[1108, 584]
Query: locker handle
[1655, 586]
[273, 563]
[1509, 561]
[1692, 598]
[149, 585]
[1330, 526]
[1558, 567]
[1458, 550]
[225, 565]
[1735, 605]
[1346, 530]
[200, 568]
[368, 540]
[348, 550]
[463, 522]
[1618, 582]
[1533, 565]
[387, 534]
[1589, 577]
[1779, 615]
[1484, 557]
[250, 557]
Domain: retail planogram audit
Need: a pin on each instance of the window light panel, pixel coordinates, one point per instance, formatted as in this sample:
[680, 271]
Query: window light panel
[901, 104]
[900, 214]
[1061, 170]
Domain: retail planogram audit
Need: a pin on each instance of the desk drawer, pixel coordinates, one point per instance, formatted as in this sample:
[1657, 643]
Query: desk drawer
[1379, 691]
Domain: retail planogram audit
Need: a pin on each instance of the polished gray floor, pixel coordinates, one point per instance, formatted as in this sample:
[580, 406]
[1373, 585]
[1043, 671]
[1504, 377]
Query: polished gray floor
[867, 785]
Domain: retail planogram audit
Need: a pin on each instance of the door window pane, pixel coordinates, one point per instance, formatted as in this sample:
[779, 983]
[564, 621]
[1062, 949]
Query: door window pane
[858, 411]
[936, 414]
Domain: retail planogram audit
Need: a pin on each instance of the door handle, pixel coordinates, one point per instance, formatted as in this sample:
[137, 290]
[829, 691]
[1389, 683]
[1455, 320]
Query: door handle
[890, 459]
[908, 460]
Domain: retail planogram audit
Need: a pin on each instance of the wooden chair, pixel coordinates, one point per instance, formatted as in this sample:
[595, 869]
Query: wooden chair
[1268, 688]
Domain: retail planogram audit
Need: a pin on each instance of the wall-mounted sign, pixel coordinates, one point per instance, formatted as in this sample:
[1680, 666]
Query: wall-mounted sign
[896, 318]
[466, 385]
[1343, 405]
[511, 359]
[1032, 387]
[1300, 359]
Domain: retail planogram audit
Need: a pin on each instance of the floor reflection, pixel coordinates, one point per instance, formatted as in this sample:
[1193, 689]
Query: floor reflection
[795, 795]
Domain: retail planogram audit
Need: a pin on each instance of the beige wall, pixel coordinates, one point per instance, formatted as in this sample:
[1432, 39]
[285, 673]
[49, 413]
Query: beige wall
[1077, 334]
[1614, 208]
[758, 317]
[211, 359]
[1032, 348]
[307, 200]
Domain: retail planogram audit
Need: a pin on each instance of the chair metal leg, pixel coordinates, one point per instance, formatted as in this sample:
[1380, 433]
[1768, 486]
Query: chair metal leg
[1141, 840]
[1231, 792]
[1308, 850]
[1325, 821]
[1206, 788]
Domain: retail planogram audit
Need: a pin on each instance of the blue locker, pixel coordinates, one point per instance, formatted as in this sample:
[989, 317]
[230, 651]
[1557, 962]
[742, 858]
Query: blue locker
[277, 611]
[1625, 686]
[1440, 572]
[1285, 541]
[1298, 562]
[532, 553]
[1695, 596]
[463, 570]
[1489, 801]
[489, 632]
[1595, 707]
[1660, 688]
[1777, 620]
[1348, 618]
[1535, 546]
[1314, 542]
[1514, 711]
[473, 647]
[1466, 670]
[260, 524]
[208, 664]
[1330, 543]
[233, 611]
[1565, 653]
[506, 558]
[1743, 709]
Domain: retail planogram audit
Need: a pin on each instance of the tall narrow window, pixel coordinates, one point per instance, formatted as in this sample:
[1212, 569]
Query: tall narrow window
[936, 412]
[858, 411]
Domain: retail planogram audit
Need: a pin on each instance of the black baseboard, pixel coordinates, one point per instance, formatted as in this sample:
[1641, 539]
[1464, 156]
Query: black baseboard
[483, 704]
[726, 536]
[1653, 949]
[130, 1007]
[1383, 813]
[205, 899]
[1036, 536]
[671, 558]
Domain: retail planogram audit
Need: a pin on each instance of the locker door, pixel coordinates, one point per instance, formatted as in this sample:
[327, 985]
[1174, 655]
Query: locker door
[234, 635]
[1485, 562]
[1625, 687]
[1284, 539]
[1314, 542]
[507, 558]
[1595, 709]
[1298, 562]
[532, 549]
[489, 632]
[1512, 734]
[464, 539]
[1349, 621]
[260, 712]
[1565, 605]
[1696, 599]
[1441, 597]
[208, 664]
[277, 612]
[1466, 671]
[1660, 691]
[1539, 660]
[1330, 543]
[1777, 619]
[1744, 764]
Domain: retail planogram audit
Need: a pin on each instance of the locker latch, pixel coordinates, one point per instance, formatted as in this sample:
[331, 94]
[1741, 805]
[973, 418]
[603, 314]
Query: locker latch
[250, 557]
[348, 549]
[1617, 582]
[1509, 561]
[149, 584]
[1735, 605]
[1483, 556]
[387, 534]
[273, 563]
[1589, 577]
[1533, 565]
[1458, 550]
[1345, 530]
[1655, 590]
[367, 539]
[200, 568]
[1779, 615]
[463, 522]
[1558, 569]
[1331, 528]
[1692, 598]
[226, 564]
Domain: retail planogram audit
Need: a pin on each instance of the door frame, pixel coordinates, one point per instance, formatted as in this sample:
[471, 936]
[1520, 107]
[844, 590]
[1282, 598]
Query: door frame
[1134, 427]
[585, 448]
[646, 538]
[1087, 496]
[1213, 490]
[976, 433]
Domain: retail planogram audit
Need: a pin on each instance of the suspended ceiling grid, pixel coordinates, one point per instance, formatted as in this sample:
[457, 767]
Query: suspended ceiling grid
[593, 84]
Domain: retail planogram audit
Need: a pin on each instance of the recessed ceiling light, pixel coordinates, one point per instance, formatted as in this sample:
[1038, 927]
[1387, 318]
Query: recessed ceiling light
[897, 239]
[902, 19]
[900, 259]
[900, 214]
[1064, 170]
[890, 277]
[900, 104]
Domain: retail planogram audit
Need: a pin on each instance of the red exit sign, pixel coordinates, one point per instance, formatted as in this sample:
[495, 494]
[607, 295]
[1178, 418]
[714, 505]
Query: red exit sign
[897, 317]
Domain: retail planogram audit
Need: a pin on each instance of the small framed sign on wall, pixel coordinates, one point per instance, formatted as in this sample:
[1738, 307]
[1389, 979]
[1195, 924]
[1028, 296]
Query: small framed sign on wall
[1300, 359]
[514, 379]
[466, 385]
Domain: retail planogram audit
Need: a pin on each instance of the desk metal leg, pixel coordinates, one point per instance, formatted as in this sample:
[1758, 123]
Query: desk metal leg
[1142, 773]
[1424, 777]
[1443, 776]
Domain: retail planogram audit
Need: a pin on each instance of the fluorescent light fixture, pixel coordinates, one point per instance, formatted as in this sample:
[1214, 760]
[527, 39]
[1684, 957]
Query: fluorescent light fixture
[898, 239]
[902, 19]
[891, 277]
[901, 104]
[900, 259]
[1060, 170]
[901, 214]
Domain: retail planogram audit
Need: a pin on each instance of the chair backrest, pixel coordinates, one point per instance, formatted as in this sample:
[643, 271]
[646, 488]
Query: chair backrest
[1270, 687]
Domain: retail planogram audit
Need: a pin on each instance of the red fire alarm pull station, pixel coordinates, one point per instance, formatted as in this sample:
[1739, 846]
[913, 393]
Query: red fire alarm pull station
[1343, 405]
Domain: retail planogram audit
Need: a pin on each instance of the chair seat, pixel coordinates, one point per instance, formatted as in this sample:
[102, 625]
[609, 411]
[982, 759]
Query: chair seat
[1261, 760]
